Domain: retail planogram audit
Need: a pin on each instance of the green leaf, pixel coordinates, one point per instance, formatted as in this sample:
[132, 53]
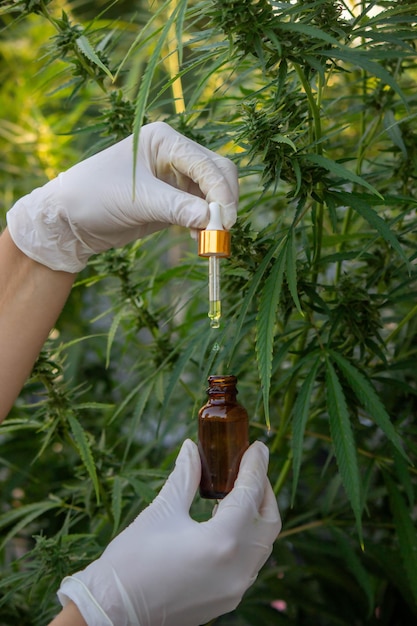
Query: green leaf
[360, 204]
[87, 49]
[340, 171]
[23, 516]
[116, 502]
[405, 477]
[142, 489]
[362, 60]
[181, 363]
[278, 138]
[291, 269]
[392, 126]
[136, 390]
[253, 287]
[83, 446]
[220, 57]
[143, 397]
[146, 82]
[265, 328]
[355, 566]
[406, 533]
[301, 413]
[112, 332]
[311, 31]
[368, 398]
[93, 406]
[16, 424]
[343, 442]
[179, 28]
[295, 164]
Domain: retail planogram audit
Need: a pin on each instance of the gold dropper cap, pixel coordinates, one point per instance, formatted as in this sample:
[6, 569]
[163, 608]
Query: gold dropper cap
[214, 240]
[214, 243]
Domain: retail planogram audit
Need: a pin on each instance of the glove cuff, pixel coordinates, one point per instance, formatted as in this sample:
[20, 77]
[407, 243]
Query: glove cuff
[74, 589]
[101, 597]
[40, 229]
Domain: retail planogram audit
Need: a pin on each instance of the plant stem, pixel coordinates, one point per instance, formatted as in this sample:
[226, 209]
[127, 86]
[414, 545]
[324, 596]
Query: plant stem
[174, 70]
[282, 477]
[317, 210]
[316, 141]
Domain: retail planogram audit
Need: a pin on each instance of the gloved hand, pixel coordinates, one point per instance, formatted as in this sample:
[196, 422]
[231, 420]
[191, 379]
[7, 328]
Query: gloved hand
[166, 569]
[95, 205]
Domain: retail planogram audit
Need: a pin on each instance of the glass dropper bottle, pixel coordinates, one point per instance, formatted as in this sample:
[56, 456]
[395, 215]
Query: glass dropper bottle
[223, 437]
[214, 243]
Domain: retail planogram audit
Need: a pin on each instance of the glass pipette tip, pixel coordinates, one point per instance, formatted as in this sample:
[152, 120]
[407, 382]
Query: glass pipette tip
[214, 243]
[214, 291]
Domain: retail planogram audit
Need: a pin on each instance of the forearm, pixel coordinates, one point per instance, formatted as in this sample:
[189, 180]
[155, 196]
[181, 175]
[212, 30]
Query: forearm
[69, 616]
[31, 299]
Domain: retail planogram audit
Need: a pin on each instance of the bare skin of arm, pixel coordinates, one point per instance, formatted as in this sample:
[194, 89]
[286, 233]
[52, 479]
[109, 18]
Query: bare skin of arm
[31, 299]
[69, 616]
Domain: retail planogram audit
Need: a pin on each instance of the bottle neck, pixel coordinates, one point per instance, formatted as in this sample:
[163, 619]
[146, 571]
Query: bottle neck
[222, 389]
[222, 398]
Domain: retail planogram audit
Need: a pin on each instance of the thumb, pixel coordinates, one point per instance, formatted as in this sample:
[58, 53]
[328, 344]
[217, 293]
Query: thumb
[251, 507]
[179, 490]
[247, 496]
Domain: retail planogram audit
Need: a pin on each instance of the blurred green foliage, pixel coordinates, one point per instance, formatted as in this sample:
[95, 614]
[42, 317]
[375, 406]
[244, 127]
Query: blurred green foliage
[315, 101]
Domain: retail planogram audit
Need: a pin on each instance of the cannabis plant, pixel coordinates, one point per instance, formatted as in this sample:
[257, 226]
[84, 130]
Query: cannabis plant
[315, 101]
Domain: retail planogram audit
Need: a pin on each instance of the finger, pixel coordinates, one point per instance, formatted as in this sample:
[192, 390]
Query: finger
[269, 510]
[190, 167]
[268, 507]
[253, 469]
[269, 527]
[247, 496]
[162, 204]
[216, 176]
[229, 171]
[178, 492]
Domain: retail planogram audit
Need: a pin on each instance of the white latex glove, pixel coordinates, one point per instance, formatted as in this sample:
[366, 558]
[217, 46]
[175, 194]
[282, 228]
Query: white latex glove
[166, 569]
[94, 206]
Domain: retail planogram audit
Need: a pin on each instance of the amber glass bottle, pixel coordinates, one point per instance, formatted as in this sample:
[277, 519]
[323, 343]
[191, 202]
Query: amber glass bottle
[223, 437]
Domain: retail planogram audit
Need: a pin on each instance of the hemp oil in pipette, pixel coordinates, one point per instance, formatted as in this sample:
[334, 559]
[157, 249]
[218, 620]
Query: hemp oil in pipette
[214, 243]
[215, 313]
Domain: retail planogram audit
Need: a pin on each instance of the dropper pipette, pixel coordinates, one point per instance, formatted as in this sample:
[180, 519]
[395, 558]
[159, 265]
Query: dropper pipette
[214, 243]
[215, 306]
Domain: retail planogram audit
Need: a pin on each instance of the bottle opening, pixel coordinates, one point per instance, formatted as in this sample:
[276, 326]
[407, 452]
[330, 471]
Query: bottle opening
[227, 379]
[222, 383]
